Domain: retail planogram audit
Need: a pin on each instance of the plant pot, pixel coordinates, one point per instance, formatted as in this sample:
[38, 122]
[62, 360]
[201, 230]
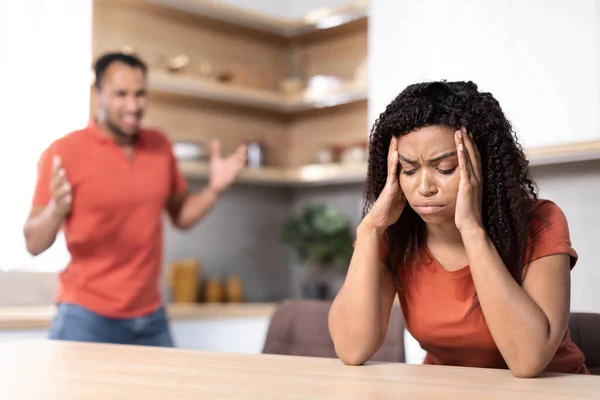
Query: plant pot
[314, 284]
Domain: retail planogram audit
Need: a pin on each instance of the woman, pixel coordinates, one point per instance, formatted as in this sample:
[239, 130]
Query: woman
[452, 224]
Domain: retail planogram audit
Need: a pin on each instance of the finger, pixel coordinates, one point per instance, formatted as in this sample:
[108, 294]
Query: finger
[240, 163]
[65, 197]
[56, 162]
[392, 150]
[65, 201]
[393, 168]
[57, 181]
[471, 154]
[59, 175]
[468, 163]
[63, 190]
[462, 161]
[477, 158]
[242, 153]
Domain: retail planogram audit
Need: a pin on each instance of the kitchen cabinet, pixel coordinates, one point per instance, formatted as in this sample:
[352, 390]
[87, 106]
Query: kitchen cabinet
[236, 335]
[237, 328]
[235, 81]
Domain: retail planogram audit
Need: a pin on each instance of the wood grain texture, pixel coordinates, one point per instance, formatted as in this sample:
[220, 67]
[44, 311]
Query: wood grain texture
[302, 176]
[338, 53]
[315, 130]
[156, 35]
[156, 32]
[201, 121]
[321, 20]
[46, 369]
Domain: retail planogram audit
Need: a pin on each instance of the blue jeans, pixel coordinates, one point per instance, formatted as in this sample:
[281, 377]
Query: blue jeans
[75, 323]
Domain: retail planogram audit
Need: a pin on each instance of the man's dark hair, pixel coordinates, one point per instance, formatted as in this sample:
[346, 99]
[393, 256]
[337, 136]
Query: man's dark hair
[104, 61]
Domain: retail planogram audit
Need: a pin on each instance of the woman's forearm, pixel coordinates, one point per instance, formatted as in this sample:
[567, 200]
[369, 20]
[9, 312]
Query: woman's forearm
[518, 325]
[359, 314]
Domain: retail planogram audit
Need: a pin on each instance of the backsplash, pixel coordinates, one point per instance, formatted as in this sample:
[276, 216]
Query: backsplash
[241, 235]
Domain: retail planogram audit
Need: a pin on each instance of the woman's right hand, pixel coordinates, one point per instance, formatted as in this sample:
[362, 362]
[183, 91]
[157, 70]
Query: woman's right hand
[391, 201]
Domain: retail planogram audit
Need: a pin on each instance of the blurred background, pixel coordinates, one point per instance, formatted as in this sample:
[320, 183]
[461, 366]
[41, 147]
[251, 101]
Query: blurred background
[300, 82]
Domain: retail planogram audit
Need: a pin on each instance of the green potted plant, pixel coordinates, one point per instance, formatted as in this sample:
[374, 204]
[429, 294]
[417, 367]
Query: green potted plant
[322, 239]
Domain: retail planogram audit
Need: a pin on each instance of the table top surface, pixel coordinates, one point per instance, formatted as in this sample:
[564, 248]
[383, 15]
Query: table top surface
[64, 370]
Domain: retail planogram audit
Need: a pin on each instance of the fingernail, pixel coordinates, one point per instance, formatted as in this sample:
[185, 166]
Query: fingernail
[459, 134]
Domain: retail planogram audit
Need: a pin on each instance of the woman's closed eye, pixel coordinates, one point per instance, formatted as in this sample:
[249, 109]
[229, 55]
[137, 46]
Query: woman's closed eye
[446, 171]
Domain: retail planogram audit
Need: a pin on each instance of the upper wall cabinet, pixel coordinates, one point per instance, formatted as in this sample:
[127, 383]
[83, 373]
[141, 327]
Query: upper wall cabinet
[318, 20]
[539, 58]
[296, 87]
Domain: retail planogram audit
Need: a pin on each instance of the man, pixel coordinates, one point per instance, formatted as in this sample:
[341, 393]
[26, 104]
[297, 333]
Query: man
[107, 186]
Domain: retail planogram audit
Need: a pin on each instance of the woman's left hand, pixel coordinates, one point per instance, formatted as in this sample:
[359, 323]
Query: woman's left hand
[470, 189]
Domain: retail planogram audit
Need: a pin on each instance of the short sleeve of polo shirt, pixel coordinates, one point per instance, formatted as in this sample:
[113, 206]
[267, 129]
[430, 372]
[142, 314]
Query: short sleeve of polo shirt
[41, 195]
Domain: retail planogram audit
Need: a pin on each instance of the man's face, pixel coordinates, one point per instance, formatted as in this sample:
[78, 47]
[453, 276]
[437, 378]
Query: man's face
[122, 99]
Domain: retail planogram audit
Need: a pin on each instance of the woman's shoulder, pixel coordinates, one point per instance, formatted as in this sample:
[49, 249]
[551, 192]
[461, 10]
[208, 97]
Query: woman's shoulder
[546, 213]
[549, 232]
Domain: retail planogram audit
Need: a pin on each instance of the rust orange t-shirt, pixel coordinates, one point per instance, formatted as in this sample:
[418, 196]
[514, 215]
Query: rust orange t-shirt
[436, 304]
[114, 231]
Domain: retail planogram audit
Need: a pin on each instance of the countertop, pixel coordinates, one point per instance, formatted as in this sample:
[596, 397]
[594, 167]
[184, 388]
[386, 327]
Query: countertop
[39, 317]
[62, 370]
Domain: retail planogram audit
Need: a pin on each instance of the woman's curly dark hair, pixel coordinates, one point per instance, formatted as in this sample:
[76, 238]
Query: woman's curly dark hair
[509, 193]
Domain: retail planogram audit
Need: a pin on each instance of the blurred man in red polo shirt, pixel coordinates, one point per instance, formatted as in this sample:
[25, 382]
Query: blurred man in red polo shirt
[107, 186]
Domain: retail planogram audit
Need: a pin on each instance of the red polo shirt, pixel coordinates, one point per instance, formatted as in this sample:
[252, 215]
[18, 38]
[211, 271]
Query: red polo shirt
[114, 231]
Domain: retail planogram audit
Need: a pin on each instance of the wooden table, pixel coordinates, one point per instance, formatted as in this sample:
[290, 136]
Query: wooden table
[62, 370]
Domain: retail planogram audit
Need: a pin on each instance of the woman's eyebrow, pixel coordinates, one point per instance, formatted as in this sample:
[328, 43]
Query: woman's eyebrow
[441, 157]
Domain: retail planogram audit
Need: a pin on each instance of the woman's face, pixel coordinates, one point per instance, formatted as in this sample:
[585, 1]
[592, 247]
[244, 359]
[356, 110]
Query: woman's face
[429, 173]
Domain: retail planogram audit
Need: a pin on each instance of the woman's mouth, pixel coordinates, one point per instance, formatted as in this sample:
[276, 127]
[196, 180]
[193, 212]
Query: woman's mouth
[428, 208]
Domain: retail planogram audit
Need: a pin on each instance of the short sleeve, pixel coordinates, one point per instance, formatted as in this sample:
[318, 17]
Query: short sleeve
[549, 234]
[41, 195]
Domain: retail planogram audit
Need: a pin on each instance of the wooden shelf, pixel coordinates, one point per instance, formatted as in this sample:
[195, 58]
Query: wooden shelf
[263, 99]
[576, 152]
[325, 174]
[308, 175]
[317, 20]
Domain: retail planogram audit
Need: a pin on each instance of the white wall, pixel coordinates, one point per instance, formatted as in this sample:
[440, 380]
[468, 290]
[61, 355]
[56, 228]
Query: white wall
[539, 58]
[45, 53]
[284, 8]
[576, 189]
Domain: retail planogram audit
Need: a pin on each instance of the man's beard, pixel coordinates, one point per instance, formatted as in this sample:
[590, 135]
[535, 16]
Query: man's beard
[114, 128]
